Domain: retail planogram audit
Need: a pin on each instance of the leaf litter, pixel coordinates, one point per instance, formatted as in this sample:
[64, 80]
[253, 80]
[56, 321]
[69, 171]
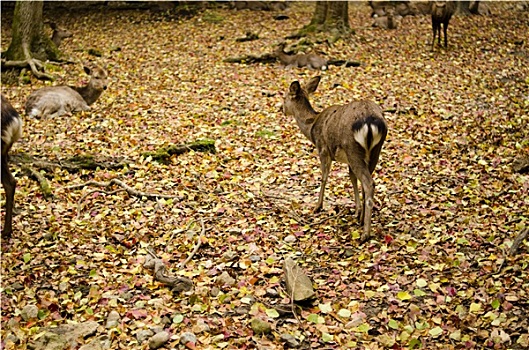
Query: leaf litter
[437, 273]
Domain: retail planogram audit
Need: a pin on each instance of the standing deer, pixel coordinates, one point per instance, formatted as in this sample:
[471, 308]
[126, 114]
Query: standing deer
[310, 60]
[11, 132]
[59, 34]
[352, 134]
[55, 101]
[441, 12]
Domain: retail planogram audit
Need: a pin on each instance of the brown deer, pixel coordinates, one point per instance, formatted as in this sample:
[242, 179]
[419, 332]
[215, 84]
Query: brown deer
[54, 101]
[11, 132]
[389, 21]
[352, 134]
[441, 12]
[59, 34]
[310, 60]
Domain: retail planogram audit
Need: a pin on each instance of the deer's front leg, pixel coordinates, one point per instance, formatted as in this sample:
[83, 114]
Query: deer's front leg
[325, 164]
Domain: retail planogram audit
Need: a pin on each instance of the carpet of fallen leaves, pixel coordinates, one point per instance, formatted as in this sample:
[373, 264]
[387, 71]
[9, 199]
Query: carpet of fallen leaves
[436, 273]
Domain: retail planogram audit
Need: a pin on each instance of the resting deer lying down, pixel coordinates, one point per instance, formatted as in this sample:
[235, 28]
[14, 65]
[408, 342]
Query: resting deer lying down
[11, 132]
[59, 34]
[352, 134]
[54, 101]
[310, 60]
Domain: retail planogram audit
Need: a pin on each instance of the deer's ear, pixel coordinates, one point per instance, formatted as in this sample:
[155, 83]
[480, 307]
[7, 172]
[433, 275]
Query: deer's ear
[312, 85]
[295, 88]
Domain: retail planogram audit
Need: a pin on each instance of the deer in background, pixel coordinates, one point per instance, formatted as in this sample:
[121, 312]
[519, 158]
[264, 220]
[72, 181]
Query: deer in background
[54, 101]
[59, 34]
[310, 60]
[441, 12]
[352, 134]
[11, 132]
[389, 21]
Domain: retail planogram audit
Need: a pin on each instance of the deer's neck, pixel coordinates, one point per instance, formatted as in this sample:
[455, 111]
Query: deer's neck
[284, 58]
[89, 94]
[306, 117]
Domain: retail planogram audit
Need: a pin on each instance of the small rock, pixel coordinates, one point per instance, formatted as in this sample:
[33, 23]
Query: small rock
[17, 286]
[290, 341]
[260, 326]
[12, 323]
[126, 295]
[271, 292]
[226, 279]
[187, 338]
[201, 327]
[290, 239]
[143, 335]
[29, 312]
[158, 340]
[11, 338]
[113, 319]
[51, 341]
[255, 258]
[230, 255]
[156, 329]
[214, 291]
[93, 345]
[105, 342]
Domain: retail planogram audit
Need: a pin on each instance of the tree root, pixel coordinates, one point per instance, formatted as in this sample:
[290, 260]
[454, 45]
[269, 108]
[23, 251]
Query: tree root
[43, 183]
[73, 164]
[32, 63]
[177, 284]
[518, 240]
[131, 191]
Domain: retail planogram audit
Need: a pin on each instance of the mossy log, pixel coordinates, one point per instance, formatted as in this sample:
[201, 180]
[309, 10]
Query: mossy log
[163, 154]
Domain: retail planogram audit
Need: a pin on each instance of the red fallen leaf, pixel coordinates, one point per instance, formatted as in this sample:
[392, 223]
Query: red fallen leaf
[190, 345]
[137, 313]
[388, 239]
[451, 291]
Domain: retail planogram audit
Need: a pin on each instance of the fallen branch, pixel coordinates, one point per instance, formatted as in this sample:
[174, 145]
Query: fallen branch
[518, 240]
[177, 284]
[164, 153]
[126, 187]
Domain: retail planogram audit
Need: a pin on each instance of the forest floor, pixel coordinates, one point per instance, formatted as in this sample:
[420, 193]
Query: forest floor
[437, 272]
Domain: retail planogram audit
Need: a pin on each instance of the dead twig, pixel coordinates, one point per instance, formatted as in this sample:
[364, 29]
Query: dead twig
[196, 248]
[126, 187]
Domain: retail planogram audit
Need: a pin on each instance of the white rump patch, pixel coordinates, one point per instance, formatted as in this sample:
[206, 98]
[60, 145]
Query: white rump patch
[13, 132]
[376, 136]
[361, 135]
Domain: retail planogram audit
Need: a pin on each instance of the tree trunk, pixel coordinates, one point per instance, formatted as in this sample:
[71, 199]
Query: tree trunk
[331, 17]
[30, 44]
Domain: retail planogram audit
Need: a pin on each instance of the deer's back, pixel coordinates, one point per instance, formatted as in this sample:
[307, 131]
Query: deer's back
[336, 125]
[53, 99]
